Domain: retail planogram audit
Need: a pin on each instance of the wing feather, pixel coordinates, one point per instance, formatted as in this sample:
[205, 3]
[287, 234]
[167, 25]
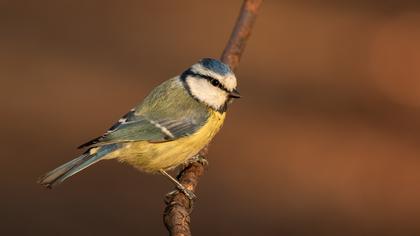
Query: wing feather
[161, 117]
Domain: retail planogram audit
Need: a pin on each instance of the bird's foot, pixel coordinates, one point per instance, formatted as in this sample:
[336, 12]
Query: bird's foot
[179, 187]
[200, 159]
[188, 193]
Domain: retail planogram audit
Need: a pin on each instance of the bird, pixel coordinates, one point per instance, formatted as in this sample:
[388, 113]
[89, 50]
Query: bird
[167, 129]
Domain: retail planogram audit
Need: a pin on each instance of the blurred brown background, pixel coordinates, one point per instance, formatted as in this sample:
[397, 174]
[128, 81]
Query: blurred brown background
[324, 142]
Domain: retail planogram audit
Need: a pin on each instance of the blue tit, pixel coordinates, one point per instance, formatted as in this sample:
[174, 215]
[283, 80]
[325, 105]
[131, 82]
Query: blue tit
[172, 124]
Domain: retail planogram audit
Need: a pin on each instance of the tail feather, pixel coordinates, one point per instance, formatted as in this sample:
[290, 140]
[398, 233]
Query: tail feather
[61, 173]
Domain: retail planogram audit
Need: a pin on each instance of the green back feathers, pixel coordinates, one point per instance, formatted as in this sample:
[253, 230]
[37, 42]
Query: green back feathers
[167, 113]
[170, 102]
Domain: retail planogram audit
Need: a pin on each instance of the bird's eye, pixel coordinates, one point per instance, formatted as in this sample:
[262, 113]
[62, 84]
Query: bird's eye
[215, 82]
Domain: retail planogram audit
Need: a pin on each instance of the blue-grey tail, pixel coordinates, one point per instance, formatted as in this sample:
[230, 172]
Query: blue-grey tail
[61, 173]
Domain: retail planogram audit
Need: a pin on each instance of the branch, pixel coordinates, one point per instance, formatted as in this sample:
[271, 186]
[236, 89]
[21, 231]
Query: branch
[241, 32]
[178, 207]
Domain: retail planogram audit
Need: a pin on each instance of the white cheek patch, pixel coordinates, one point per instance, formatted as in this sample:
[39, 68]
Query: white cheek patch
[207, 93]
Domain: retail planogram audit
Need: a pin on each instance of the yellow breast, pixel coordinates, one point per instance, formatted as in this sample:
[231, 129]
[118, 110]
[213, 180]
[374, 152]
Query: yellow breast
[152, 157]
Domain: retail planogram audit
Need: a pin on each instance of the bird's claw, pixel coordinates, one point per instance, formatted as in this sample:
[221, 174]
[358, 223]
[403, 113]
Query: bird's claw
[188, 193]
[200, 159]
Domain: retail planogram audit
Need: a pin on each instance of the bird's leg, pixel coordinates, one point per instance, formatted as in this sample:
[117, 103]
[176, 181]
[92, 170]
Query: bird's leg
[179, 186]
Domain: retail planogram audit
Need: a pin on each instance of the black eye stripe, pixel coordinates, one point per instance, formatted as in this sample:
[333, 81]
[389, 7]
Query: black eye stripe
[217, 84]
[208, 78]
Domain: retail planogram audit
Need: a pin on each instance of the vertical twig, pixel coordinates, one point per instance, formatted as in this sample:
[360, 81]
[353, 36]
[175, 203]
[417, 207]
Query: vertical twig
[241, 32]
[177, 212]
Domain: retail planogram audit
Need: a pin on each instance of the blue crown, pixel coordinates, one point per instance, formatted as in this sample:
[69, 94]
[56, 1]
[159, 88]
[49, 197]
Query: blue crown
[215, 65]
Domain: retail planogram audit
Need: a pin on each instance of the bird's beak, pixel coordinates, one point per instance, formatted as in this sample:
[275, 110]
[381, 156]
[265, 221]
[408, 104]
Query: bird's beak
[234, 94]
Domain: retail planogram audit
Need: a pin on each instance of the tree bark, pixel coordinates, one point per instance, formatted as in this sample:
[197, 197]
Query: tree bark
[178, 207]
